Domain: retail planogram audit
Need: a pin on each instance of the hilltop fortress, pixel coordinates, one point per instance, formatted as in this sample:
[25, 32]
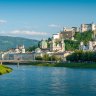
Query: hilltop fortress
[57, 43]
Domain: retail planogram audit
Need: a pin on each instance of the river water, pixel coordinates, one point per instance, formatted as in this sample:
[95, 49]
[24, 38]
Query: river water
[48, 81]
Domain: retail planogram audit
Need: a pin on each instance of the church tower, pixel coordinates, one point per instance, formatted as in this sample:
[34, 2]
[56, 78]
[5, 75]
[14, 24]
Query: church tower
[90, 45]
[63, 45]
[23, 49]
[81, 47]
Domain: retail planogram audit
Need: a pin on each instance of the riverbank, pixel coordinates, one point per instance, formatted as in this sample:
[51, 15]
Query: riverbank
[4, 69]
[70, 65]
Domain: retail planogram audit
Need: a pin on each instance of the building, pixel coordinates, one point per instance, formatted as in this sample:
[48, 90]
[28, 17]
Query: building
[62, 55]
[41, 52]
[88, 27]
[57, 45]
[67, 35]
[38, 50]
[83, 46]
[56, 36]
[43, 44]
[91, 46]
[73, 29]
[21, 56]
[20, 49]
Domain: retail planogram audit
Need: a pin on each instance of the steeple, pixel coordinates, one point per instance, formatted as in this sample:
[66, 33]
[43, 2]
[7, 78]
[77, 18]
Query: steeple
[23, 46]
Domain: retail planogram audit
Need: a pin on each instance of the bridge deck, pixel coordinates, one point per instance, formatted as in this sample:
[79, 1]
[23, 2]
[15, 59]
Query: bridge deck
[25, 61]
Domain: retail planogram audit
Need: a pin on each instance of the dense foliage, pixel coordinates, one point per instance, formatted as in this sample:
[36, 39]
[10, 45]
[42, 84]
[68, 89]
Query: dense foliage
[84, 36]
[74, 44]
[31, 48]
[46, 57]
[71, 45]
[80, 56]
[66, 64]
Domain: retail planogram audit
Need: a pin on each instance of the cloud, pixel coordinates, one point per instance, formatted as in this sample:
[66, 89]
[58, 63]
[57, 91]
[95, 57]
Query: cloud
[53, 25]
[27, 32]
[3, 21]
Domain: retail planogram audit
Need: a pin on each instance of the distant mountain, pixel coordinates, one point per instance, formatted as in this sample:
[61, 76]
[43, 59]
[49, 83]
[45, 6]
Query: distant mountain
[7, 42]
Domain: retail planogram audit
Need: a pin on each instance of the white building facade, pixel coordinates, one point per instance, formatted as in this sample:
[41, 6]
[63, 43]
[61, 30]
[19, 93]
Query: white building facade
[20, 49]
[73, 29]
[88, 27]
[56, 36]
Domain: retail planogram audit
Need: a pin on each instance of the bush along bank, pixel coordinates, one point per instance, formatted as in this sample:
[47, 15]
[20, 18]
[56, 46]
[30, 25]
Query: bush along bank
[4, 69]
[67, 64]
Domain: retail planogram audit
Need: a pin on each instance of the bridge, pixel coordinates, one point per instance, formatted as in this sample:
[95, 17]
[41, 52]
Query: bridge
[14, 61]
[24, 61]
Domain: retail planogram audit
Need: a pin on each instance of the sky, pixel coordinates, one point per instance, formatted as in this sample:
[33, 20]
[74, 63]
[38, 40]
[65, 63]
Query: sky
[39, 19]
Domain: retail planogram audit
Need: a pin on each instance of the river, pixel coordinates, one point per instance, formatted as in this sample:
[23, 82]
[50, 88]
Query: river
[48, 81]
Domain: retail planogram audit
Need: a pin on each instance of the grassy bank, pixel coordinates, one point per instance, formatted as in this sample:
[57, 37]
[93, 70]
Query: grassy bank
[4, 69]
[70, 65]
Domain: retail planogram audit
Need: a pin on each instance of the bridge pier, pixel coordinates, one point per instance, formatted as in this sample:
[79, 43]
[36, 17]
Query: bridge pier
[18, 64]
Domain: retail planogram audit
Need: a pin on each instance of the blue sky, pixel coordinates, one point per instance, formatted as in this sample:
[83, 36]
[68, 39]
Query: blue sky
[37, 19]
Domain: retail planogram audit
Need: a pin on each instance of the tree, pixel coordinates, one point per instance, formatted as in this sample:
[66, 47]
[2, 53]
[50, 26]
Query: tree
[74, 45]
[71, 45]
[32, 48]
[46, 57]
[39, 44]
[84, 36]
[82, 56]
[49, 39]
[38, 58]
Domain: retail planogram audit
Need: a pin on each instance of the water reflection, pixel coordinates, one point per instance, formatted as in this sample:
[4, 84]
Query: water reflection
[48, 81]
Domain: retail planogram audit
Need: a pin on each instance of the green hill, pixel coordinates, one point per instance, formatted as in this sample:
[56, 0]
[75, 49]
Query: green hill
[7, 42]
[74, 44]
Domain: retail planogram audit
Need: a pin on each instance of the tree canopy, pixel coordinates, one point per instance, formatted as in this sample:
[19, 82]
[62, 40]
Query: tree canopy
[84, 36]
[71, 45]
[82, 56]
[74, 44]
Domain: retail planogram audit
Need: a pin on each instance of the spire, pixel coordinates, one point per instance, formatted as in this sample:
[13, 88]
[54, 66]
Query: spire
[23, 46]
